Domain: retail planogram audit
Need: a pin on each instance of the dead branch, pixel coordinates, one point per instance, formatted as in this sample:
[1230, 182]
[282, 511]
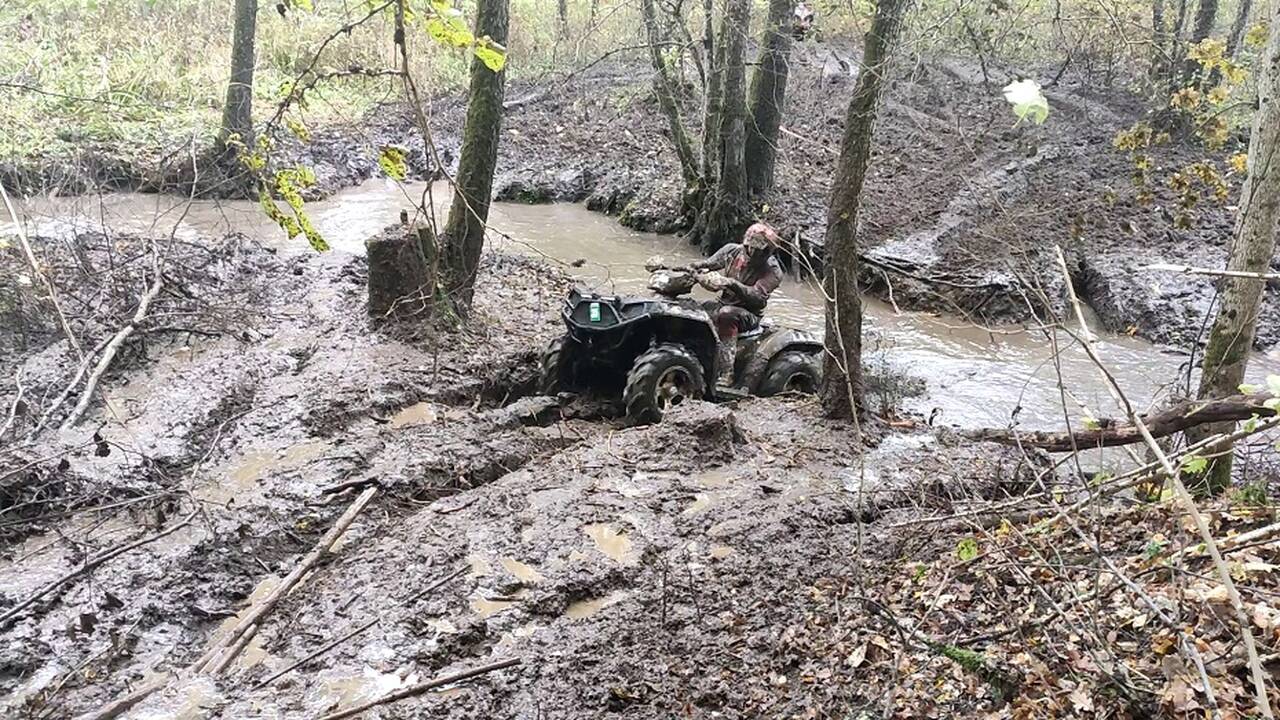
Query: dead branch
[1256, 670]
[113, 346]
[71, 386]
[1262, 534]
[219, 655]
[90, 565]
[1188, 270]
[117, 708]
[421, 688]
[1111, 432]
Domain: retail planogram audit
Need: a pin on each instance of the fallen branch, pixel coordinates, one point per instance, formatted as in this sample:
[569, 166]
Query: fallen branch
[17, 402]
[423, 687]
[117, 708]
[1188, 270]
[35, 268]
[1262, 534]
[89, 565]
[1111, 433]
[217, 657]
[66, 391]
[114, 345]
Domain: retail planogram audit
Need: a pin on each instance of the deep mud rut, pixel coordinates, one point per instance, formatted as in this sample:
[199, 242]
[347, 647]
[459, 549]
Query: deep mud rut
[642, 571]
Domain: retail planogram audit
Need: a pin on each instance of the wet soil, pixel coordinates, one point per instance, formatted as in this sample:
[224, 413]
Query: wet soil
[601, 555]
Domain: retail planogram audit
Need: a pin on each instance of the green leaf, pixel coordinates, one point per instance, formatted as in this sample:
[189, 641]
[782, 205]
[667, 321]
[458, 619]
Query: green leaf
[1273, 404]
[1273, 385]
[1247, 389]
[1195, 464]
[446, 26]
[1251, 424]
[1027, 100]
[1154, 547]
[1091, 423]
[391, 160]
[967, 549]
[492, 54]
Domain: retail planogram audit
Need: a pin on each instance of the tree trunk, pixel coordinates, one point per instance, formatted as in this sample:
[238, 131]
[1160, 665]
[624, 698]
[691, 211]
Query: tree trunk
[727, 211]
[237, 113]
[1226, 355]
[768, 92]
[402, 265]
[562, 17]
[1159, 41]
[1238, 27]
[711, 115]
[464, 232]
[667, 101]
[1206, 16]
[842, 390]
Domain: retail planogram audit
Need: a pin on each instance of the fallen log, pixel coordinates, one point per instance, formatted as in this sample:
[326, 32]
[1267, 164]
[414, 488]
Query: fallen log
[1111, 433]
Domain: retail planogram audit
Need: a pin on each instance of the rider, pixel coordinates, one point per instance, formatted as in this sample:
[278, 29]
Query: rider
[748, 273]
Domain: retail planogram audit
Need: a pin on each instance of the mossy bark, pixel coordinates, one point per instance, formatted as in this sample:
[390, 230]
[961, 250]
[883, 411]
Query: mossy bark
[1226, 355]
[464, 231]
[842, 386]
[768, 93]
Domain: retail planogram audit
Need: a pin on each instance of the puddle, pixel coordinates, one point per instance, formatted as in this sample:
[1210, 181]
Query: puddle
[522, 572]
[423, 413]
[255, 466]
[720, 552]
[613, 543]
[584, 609]
[480, 566]
[715, 478]
[338, 691]
[487, 608]
[701, 502]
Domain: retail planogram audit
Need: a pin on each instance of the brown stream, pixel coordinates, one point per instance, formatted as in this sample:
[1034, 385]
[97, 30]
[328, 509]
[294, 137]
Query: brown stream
[976, 376]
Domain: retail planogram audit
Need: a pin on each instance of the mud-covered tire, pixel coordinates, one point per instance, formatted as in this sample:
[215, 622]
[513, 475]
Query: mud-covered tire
[557, 374]
[660, 379]
[792, 371]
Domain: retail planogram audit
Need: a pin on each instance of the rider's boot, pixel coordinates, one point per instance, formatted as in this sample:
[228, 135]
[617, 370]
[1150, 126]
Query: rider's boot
[726, 354]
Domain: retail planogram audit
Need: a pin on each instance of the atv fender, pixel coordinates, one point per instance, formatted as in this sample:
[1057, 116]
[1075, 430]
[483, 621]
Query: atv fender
[769, 348]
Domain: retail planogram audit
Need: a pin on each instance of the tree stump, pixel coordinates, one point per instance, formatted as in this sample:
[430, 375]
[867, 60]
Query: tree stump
[402, 272]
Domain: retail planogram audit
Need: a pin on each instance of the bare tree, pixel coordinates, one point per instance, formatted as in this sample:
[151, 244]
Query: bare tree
[1226, 355]
[842, 389]
[664, 86]
[464, 231]
[768, 91]
[1238, 27]
[237, 113]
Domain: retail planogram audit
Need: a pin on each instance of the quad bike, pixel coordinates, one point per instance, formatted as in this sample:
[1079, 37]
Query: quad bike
[661, 351]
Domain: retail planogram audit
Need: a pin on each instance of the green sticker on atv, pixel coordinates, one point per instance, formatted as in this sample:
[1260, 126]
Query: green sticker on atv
[595, 312]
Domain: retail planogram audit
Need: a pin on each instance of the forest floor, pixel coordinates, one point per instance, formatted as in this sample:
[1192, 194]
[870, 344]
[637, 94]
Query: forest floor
[738, 561]
[962, 213]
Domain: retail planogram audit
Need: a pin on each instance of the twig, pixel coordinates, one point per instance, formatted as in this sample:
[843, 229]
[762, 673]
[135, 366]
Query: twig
[226, 647]
[75, 380]
[118, 707]
[114, 346]
[1261, 534]
[91, 564]
[423, 687]
[1184, 496]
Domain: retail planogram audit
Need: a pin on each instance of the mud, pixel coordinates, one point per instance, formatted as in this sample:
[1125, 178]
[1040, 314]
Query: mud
[277, 401]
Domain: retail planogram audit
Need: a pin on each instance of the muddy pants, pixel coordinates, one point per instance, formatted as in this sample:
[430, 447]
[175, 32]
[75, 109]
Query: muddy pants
[730, 320]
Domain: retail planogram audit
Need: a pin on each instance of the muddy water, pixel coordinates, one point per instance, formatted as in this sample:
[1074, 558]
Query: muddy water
[975, 376]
